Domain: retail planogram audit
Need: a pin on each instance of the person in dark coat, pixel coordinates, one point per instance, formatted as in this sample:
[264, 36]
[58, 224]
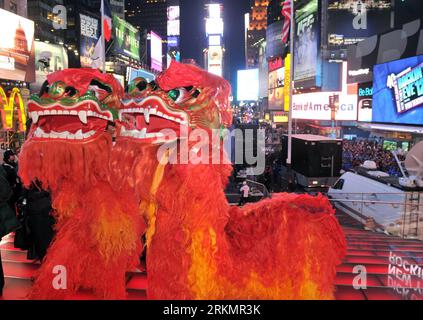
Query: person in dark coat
[38, 212]
[8, 220]
[10, 166]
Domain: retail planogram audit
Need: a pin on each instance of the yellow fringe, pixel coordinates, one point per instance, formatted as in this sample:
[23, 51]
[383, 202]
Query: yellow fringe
[150, 208]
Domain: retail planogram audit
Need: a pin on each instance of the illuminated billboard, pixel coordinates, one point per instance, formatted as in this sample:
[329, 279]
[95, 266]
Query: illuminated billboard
[215, 60]
[400, 43]
[263, 71]
[274, 45]
[127, 38]
[215, 40]
[352, 21]
[316, 106]
[173, 21]
[277, 78]
[398, 92]
[306, 44]
[90, 44]
[248, 85]
[17, 49]
[287, 84]
[214, 22]
[276, 84]
[156, 52]
[173, 42]
[365, 101]
[48, 58]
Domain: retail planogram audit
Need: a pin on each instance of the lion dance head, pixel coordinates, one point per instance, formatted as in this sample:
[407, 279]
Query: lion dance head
[69, 138]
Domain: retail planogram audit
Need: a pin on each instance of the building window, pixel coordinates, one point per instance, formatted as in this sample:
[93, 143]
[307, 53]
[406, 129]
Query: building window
[2, 4]
[13, 7]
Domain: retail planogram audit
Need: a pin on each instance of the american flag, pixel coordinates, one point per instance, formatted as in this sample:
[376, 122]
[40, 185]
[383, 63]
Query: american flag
[286, 12]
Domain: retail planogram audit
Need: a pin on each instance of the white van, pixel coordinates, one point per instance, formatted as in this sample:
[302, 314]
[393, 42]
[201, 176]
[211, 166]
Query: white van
[373, 194]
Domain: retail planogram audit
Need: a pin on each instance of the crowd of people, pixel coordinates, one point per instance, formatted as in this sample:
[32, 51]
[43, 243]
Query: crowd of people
[356, 152]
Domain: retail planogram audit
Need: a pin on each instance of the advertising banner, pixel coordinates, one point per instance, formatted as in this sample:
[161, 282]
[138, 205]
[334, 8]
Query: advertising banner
[351, 21]
[365, 102]
[214, 21]
[48, 58]
[394, 45]
[17, 50]
[263, 71]
[91, 45]
[127, 38]
[248, 85]
[215, 60]
[287, 83]
[307, 43]
[274, 45]
[156, 52]
[276, 89]
[10, 104]
[316, 106]
[398, 92]
[173, 21]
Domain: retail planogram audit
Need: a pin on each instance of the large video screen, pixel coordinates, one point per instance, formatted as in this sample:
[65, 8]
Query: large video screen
[274, 45]
[173, 22]
[215, 60]
[351, 21]
[48, 58]
[276, 89]
[306, 43]
[156, 52]
[248, 85]
[398, 92]
[17, 49]
[127, 38]
[365, 102]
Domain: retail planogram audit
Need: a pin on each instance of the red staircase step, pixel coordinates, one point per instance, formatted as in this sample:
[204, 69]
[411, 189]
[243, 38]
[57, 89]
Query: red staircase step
[348, 293]
[375, 260]
[16, 256]
[19, 270]
[9, 246]
[16, 289]
[379, 269]
[347, 279]
[379, 248]
[382, 294]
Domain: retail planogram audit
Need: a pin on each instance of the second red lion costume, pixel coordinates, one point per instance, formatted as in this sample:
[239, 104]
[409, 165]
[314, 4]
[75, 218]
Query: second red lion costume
[198, 247]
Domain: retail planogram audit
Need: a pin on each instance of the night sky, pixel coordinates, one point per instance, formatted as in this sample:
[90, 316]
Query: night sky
[193, 38]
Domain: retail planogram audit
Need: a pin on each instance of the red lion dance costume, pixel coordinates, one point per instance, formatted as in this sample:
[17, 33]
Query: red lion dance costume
[198, 247]
[68, 149]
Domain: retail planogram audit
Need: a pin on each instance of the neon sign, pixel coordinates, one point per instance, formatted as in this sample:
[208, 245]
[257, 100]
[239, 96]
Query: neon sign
[408, 88]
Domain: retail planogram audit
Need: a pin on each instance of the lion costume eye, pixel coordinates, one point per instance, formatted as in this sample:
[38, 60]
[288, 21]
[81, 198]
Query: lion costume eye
[179, 95]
